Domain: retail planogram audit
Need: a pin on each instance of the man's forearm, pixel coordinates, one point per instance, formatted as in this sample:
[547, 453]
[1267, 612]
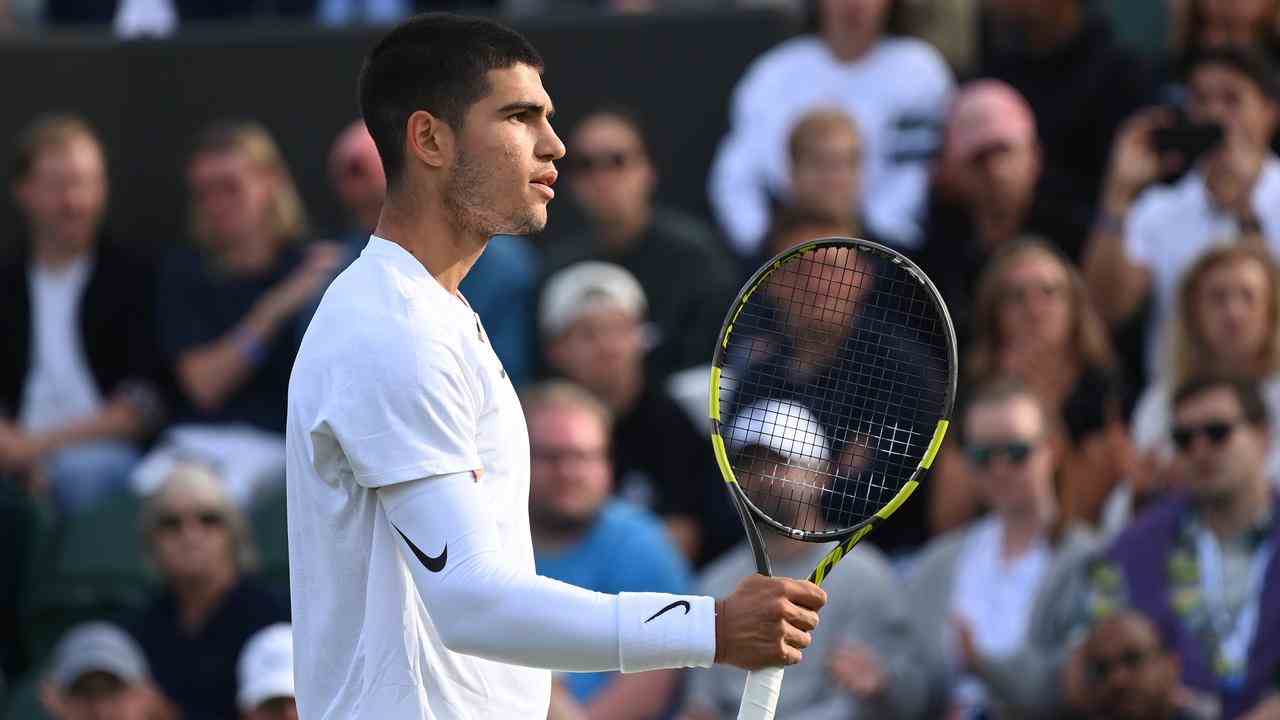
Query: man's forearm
[1116, 284]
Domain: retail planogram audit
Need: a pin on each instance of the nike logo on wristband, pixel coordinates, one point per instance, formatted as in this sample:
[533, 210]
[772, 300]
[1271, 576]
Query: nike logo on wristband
[676, 604]
[434, 564]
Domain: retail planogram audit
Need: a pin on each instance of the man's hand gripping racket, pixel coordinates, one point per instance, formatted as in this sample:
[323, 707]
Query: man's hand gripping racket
[832, 384]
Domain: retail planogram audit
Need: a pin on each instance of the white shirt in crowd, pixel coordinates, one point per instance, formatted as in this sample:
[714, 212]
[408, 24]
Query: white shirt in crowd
[366, 645]
[900, 123]
[1171, 226]
[59, 386]
[995, 596]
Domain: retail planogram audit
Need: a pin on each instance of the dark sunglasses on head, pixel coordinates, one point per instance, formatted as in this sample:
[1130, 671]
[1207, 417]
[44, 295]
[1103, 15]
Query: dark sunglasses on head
[1217, 431]
[982, 454]
[171, 522]
[589, 162]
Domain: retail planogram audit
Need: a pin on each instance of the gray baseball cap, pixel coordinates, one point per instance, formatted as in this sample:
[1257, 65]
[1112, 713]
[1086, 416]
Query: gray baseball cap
[97, 647]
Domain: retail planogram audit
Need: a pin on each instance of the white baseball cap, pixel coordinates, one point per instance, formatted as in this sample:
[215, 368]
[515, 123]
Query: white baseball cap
[265, 669]
[97, 647]
[585, 287]
[785, 427]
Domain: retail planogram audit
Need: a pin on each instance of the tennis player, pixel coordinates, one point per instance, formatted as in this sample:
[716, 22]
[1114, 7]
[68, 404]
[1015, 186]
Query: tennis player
[411, 565]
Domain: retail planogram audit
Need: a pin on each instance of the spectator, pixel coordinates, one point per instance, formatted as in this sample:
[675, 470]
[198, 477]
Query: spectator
[1062, 57]
[501, 284]
[990, 167]
[98, 671]
[1228, 321]
[582, 537]
[195, 629]
[230, 308]
[1200, 563]
[1129, 673]
[265, 675]
[1033, 321]
[863, 663]
[592, 321]
[826, 155]
[676, 258]
[853, 63]
[1201, 24]
[79, 383]
[973, 589]
[1145, 240]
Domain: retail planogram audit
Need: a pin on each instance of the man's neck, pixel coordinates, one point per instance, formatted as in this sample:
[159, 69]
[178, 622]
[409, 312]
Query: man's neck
[419, 224]
[623, 394]
[1020, 533]
[784, 549]
[198, 598]
[621, 233]
[995, 228]
[1242, 512]
[56, 255]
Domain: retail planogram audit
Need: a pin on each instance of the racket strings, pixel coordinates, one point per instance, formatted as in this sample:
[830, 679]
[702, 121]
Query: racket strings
[835, 373]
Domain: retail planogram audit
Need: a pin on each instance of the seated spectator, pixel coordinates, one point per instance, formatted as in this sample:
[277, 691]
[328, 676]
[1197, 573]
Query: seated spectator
[863, 661]
[79, 380]
[230, 307]
[592, 323]
[972, 590]
[985, 195]
[584, 538]
[854, 62]
[97, 672]
[1032, 321]
[1147, 236]
[501, 284]
[676, 258]
[1080, 81]
[1201, 24]
[1228, 321]
[1129, 673]
[195, 629]
[826, 154]
[1200, 563]
[265, 675]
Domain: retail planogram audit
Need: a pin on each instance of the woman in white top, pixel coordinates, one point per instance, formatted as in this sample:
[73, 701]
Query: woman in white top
[1227, 321]
[896, 88]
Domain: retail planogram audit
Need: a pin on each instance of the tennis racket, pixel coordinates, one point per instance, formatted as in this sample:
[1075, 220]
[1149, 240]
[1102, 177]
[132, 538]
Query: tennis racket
[832, 386]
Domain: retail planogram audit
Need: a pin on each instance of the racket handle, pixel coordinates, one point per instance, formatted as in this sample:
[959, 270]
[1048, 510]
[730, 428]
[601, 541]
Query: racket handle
[760, 696]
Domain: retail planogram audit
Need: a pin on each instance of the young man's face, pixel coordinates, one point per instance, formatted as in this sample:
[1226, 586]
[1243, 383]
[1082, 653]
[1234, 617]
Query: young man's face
[1220, 450]
[826, 173]
[570, 474]
[64, 194]
[1221, 94]
[503, 169]
[612, 177]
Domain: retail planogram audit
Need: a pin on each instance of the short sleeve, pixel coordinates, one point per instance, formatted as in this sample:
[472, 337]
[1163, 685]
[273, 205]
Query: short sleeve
[407, 415]
[1141, 232]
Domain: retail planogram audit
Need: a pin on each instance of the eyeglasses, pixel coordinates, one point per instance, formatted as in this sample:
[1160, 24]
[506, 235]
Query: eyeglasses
[607, 160]
[1218, 432]
[173, 522]
[1100, 669]
[983, 454]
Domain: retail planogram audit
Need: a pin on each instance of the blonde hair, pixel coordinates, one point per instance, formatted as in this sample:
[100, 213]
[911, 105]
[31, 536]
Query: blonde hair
[44, 132]
[190, 478]
[816, 123]
[288, 215]
[1189, 354]
[1088, 335]
[564, 394]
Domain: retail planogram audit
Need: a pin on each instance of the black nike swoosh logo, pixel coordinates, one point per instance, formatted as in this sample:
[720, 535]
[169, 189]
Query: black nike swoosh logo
[676, 604]
[434, 564]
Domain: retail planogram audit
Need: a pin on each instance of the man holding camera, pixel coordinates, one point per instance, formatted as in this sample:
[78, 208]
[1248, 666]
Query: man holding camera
[1145, 238]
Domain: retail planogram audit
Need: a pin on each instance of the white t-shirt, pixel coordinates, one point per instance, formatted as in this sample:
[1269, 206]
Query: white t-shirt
[59, 386]
[366, 410]
[898, 94]
[1171, 226]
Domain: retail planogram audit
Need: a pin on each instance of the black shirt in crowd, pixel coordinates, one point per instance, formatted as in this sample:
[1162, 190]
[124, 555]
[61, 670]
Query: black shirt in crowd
[198, 672]
[199, 304]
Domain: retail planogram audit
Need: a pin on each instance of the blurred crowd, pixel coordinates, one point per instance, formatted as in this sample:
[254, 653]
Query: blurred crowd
[1097, 538]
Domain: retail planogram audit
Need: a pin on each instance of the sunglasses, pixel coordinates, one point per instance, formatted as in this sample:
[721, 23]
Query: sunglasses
[172, 522]
[609, 160]
[1100, 669]
[1218, 431]
[1016, 452]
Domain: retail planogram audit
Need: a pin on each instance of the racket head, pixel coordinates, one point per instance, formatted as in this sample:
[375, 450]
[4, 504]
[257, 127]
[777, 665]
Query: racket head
[832, 385]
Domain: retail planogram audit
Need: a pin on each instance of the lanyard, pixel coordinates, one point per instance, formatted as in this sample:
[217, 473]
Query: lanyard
[1234, 631]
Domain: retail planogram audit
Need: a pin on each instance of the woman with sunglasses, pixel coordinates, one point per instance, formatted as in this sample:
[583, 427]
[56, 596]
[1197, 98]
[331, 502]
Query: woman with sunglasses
[1228, 322]
[1032, 320]
[194, 629]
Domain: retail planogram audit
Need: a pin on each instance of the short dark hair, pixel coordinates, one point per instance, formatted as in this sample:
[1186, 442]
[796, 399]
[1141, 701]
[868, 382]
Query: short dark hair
[1249, 60]
[1247, 392]
[624, 114]
[1005, 389]
[438, 62]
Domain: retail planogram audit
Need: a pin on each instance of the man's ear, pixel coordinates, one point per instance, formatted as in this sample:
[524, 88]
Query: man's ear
[429, 139]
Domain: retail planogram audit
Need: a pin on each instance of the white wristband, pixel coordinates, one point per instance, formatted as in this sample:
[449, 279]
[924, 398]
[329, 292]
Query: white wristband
[658, 631]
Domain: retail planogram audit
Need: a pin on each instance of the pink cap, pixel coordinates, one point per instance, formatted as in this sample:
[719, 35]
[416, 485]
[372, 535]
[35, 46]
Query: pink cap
[986, 113]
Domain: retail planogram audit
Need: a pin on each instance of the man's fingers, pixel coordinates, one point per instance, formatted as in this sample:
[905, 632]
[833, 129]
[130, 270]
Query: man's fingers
[801, 618]
[806, 594]
[796, 638]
